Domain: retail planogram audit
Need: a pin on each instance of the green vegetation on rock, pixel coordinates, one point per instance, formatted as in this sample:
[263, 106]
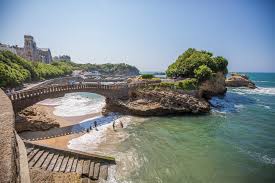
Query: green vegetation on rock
[147, 76]
[109, 69]
[203, 73]
[186, 84]
[197, 64]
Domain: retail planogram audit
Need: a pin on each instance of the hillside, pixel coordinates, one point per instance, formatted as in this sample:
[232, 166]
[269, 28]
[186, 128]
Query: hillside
[14, 70]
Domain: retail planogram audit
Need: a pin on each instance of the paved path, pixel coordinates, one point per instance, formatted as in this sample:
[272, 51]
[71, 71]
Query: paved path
[67, 130]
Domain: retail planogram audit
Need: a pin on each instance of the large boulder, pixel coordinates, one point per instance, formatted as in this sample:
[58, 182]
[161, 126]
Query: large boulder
[157, 103]
[34, 119]
[213, 87]
[238, 80]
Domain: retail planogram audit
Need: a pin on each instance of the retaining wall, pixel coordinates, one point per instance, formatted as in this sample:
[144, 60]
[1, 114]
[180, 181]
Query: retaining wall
[12, 152]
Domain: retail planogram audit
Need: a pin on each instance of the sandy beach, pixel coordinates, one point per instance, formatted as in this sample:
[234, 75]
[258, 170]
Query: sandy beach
[62, 141]
[105, 132]
[63, 120]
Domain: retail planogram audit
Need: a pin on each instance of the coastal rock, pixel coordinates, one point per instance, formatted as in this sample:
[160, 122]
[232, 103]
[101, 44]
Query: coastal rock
[238, 80]
[33, 119]
[213, 87]
[157, 103]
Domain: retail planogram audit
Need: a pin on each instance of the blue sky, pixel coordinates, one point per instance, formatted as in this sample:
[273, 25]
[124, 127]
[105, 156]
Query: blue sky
[146, 33]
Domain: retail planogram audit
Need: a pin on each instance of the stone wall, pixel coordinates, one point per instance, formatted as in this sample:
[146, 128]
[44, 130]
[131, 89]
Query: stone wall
[8, 167]
[12, 149]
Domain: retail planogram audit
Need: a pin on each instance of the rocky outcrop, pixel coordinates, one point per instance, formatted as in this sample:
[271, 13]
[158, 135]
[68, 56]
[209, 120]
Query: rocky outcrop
[238, 80]
[32, 119]
[157, 103]
[213, 87]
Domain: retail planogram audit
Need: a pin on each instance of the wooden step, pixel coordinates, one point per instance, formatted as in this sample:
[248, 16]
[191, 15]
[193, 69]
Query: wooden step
[35, 158]
[79, 166]
[89, 167]
[69, 164]
[96, 171]
[47, 161]
[85, 180]
[53, 161]
[41, 160]
[91, 171]
[103, 173]
[74, 165]
[32, 154]
[86, 167]
[58, 163]
[64, 164]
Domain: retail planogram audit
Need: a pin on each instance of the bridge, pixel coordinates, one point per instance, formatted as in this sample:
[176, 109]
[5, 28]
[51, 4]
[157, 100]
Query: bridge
[25, 98]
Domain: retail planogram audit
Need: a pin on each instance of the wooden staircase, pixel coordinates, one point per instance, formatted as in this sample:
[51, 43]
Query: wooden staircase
[91, 167]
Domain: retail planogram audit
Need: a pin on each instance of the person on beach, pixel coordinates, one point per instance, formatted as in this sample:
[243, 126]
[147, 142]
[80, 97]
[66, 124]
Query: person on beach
[114, 125]
[121, 124]
[95, 124]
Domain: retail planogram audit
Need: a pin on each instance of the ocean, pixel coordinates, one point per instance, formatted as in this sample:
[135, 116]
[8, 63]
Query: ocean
[234, 143]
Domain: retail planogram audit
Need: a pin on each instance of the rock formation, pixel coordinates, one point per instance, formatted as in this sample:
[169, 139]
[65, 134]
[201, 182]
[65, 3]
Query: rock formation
[238, 80]
[32, 119]
[213, 87]
[146, 102]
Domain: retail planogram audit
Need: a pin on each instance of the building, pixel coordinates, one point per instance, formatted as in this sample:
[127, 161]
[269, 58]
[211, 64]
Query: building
[30, 51]
[4, 47]
[91, 73]
[62, 57]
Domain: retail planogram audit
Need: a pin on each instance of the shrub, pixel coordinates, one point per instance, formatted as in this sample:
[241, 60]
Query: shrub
[187, 84]
[167, 84]
[147, 76]
[203, 73]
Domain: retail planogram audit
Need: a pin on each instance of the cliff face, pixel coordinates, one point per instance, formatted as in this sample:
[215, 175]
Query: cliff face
[237, 80]
[157, 103]
[213, 87]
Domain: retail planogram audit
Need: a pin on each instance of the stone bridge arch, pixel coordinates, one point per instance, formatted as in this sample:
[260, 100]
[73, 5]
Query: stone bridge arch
[23, 99]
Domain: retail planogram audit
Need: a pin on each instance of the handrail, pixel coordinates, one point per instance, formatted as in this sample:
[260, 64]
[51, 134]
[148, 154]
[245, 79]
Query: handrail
[59, 88]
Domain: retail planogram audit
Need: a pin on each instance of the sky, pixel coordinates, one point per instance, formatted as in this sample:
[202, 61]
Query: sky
[149, 34]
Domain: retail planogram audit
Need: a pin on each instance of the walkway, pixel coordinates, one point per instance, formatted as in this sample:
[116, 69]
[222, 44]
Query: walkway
[89, 166]
[67, 130]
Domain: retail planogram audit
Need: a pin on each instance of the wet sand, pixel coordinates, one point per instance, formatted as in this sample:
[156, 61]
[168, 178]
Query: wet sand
[62, 141]
[64, 121]
[59, 142]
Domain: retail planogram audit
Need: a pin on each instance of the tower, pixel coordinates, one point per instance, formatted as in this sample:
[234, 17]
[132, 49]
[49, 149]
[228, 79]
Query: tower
[30, 50]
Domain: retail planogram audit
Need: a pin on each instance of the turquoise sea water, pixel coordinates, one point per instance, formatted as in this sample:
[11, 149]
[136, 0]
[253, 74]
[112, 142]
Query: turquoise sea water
[234, 143]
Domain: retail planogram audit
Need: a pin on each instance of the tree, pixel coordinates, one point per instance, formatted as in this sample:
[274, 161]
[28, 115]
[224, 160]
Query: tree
[192, 59]
[203, 73]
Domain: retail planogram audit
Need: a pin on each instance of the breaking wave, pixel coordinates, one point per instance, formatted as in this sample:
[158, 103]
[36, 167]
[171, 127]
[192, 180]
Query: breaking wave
[257, 91]
[76, 104]
[231, 102]
[259, 156]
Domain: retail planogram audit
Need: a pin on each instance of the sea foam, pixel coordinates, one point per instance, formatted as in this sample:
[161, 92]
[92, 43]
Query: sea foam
[257, 91]
[76, 104]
